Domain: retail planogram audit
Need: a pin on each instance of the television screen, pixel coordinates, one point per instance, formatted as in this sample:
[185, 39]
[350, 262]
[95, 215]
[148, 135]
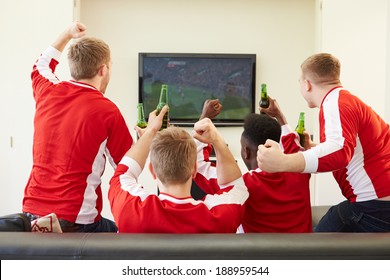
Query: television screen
[193, 78]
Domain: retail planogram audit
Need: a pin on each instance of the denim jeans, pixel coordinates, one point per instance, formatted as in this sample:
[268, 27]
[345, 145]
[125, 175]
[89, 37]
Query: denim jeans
[104, 225]
[368, 216]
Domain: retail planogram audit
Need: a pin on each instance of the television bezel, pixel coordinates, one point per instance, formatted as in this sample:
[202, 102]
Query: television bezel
[191, 122]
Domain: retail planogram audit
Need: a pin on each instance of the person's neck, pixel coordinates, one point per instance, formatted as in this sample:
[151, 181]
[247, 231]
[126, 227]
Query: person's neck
[252, 164]
[324, 90]
[93, 82]
[177, 190]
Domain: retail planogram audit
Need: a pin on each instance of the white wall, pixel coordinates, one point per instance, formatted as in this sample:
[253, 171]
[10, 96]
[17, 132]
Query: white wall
[26, 28]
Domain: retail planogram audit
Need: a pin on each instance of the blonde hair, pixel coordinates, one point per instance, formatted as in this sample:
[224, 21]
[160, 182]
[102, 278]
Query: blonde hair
[321, 68]
[173, 155]
[86, 56]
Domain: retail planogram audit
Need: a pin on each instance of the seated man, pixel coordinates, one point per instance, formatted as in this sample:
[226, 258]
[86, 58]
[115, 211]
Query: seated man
[76, 130]
[173, 165]
[278, 202]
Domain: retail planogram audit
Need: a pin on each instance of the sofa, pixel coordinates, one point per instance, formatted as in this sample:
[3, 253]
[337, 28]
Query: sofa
[260, 246]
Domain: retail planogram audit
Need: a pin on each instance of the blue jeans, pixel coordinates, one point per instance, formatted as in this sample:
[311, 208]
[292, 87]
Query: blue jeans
[104, 225]
[368, 216]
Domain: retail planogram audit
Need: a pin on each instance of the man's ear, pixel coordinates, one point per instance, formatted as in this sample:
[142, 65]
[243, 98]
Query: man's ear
[195, 170]
[246, 152]
[102, 70]
[152, 171]
[308, 85]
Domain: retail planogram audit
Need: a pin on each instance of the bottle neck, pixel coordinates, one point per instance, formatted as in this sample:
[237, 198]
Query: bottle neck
[141, 115]
[164, 95]
[264, 94]
[163, 98]
[301, 124]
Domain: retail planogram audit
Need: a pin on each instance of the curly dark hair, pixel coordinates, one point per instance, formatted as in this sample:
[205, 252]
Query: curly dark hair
[260, 127]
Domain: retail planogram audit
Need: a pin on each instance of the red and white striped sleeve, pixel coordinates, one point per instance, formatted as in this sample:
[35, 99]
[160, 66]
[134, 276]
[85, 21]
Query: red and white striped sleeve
[337, 137]
[42, 75]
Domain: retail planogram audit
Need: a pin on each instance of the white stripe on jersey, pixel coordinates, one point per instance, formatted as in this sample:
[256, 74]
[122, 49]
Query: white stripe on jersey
[88, 211]
[110, 159]
[357, 177]
[81, 85]
[204, 167]
[43, 64]
[333, 130]
[163, 196]
[128, 180]
[237, 195]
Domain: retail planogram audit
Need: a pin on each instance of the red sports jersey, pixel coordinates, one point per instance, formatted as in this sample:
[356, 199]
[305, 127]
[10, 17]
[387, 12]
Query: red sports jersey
[278, 202]
[354, 145]
[138, 211]
[75, 128]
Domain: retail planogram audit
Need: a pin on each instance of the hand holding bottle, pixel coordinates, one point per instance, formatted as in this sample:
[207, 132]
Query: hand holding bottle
[274, 111]
[156, 121]
[308, 142]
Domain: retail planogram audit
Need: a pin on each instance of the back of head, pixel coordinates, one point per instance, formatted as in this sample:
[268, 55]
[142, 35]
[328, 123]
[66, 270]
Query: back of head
[173, 155]
[260, 127]
[321, 69]
[86, 56]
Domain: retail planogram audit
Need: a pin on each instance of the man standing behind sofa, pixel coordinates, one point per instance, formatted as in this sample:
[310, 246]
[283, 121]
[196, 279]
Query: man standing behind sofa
[75, 128]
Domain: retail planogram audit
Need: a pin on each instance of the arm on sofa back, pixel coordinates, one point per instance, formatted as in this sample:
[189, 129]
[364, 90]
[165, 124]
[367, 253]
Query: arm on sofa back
[15, 222]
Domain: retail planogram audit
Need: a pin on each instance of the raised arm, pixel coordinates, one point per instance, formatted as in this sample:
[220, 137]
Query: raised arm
[274, 111]
[227, 168]
[42, 74]
[211, 109]
[76, 30]
[140, 150]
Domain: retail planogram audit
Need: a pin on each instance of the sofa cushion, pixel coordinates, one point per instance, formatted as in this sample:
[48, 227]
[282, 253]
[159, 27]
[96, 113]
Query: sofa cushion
[15, 222]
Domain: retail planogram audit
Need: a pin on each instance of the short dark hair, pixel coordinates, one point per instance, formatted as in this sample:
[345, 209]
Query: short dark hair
[260, 127]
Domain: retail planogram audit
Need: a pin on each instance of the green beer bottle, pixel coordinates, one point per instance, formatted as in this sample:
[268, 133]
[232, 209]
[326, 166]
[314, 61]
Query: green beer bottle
[141, 122]
[301, 128]
[264, 101]
[163, 101]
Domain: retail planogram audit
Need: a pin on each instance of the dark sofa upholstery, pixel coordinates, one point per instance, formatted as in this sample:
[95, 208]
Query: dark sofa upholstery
[15, 222]
[308, 246]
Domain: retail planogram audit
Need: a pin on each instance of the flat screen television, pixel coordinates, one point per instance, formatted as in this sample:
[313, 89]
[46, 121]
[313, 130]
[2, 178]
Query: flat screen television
[193, 78]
